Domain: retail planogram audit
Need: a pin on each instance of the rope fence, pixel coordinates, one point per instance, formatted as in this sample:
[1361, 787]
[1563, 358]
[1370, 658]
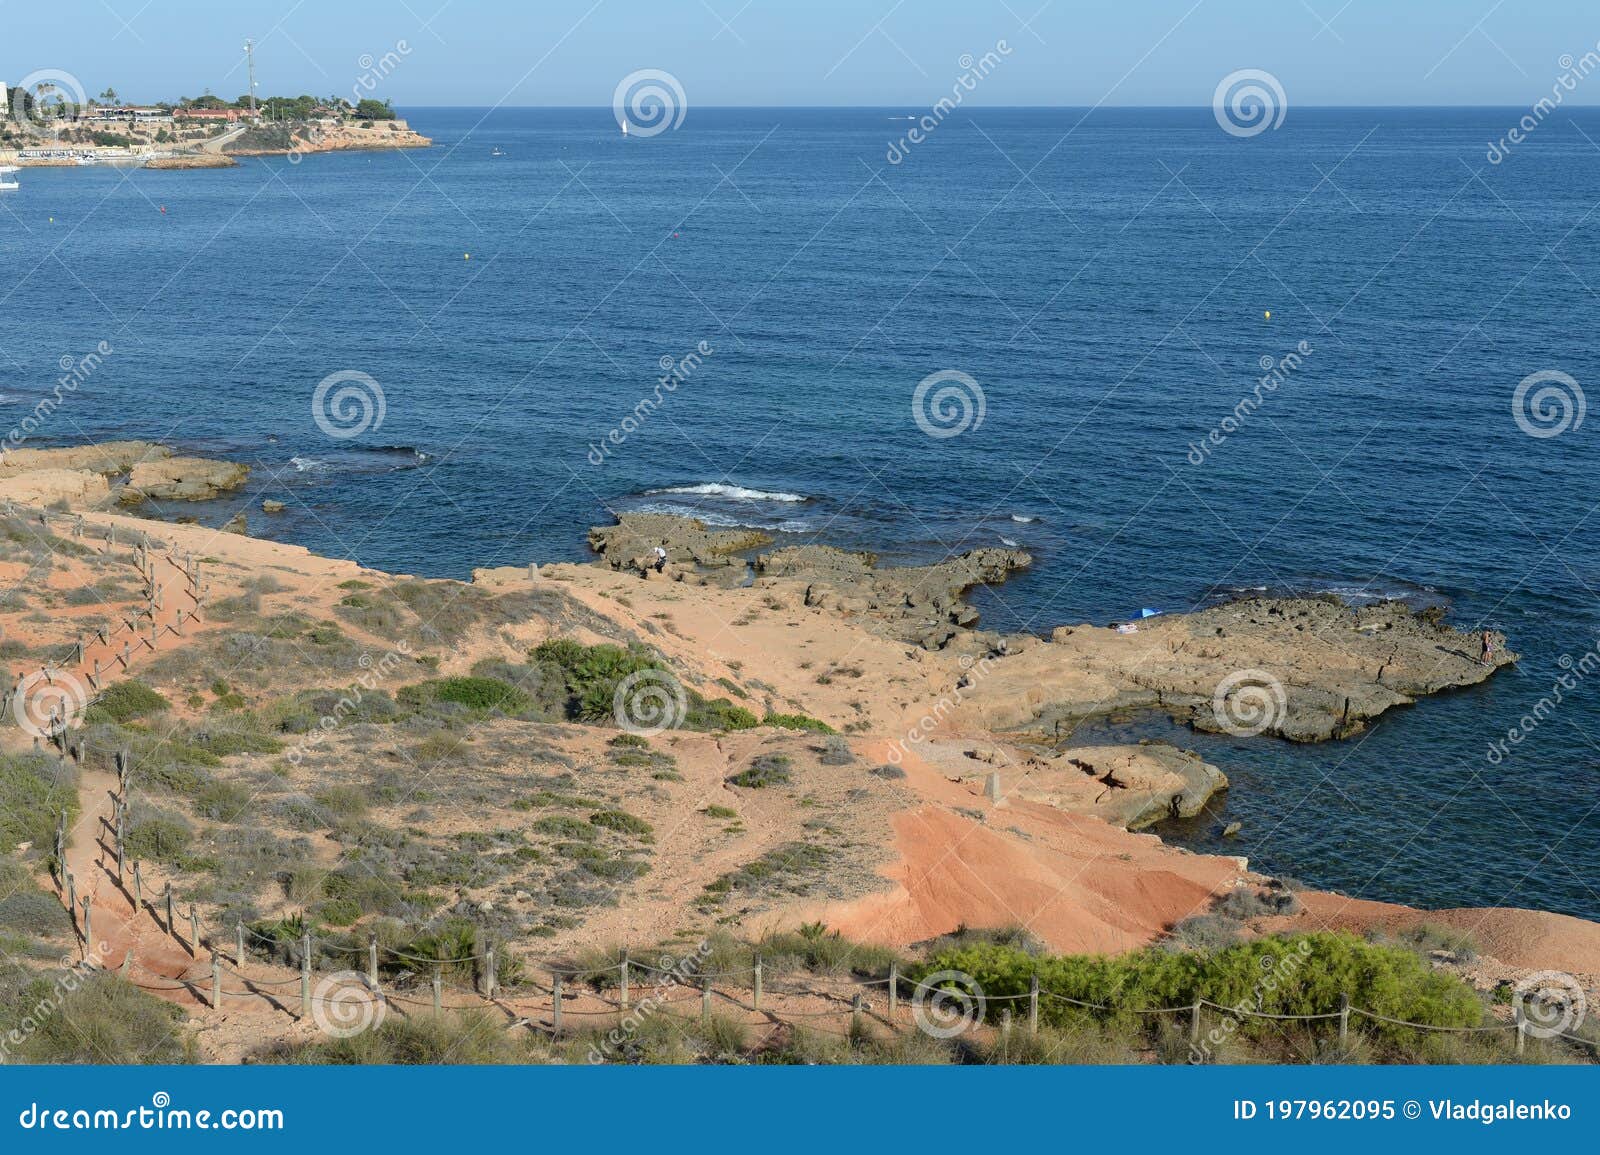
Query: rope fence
[548, 1008]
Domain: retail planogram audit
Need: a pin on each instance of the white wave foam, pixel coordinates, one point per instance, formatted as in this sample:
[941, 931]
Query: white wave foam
[726, 521]
[1020, 519]
[303, 464]
[732, 492]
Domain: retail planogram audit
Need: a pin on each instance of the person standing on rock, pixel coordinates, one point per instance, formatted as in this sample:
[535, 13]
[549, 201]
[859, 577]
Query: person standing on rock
[1488, 648]
[661, 561]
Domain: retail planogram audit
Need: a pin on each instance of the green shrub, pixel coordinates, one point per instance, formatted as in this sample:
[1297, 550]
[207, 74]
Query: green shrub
[797, 722]
[621, 820]
[592, 673]
[717, 714]
[788, 869]
[223, 801]
[565, 826]
[158, 837]
[1302, 974]
[469, 1038]
[343, 801]
[33, 793]
[26, 909]
[125, 702]
[100, 1019]
[478, 694]
[764, 770]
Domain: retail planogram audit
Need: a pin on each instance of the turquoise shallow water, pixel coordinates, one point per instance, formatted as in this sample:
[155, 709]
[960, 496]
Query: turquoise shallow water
[1102, 279]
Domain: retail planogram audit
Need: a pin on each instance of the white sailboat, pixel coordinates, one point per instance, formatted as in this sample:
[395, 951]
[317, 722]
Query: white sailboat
[624, 128]
[7, 185]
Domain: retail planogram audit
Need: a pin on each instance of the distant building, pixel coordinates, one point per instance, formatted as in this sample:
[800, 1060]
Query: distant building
[126, 113]
[229, 114]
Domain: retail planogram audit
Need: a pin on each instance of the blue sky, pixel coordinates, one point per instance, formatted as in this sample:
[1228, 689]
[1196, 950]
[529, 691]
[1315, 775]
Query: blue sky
[814, 52]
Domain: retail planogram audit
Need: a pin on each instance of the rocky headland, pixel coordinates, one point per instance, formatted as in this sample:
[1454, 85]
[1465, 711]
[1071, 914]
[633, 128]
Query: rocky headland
[907, 772]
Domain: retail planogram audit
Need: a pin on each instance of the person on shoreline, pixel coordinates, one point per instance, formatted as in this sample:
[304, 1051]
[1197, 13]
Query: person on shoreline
[1488, 649]
[661, 562]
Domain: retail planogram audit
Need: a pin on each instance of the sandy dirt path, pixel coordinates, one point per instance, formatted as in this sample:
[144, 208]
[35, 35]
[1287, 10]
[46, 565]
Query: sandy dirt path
[117, 930]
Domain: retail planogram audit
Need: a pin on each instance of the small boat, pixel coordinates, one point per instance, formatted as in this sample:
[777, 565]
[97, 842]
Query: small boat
[497, 151]
[8, 185]
[624, 128]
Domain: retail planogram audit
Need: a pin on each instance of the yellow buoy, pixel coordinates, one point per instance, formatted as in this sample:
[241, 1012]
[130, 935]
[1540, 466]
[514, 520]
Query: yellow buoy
[466, 256]
[1269, 314]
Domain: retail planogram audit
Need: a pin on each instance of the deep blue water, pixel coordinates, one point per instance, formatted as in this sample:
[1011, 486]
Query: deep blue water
[1103, 278]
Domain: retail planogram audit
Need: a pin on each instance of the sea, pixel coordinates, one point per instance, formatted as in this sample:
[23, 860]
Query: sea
[1344, 354]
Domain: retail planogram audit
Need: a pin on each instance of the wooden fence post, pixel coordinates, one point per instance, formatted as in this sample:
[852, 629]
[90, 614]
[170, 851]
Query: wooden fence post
[216, 981]
[238, 949]
[1194, 1023]
[1005, 1029]
[305, 974]
[372, 959]
[555, 1006]
[88, 935]
[72, 895]
[623, 967]
[1522, 1033]
[705, 997]
[757, 1003]
[894, 988]
[438, 988]
[1033, 1006]
[194, 932]
[855, 1014]
[138, 887]
[489, 975]
[172, 926]
[1344, 1022]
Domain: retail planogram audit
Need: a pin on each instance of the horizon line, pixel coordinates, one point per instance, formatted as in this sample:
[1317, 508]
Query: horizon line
[1015, 107]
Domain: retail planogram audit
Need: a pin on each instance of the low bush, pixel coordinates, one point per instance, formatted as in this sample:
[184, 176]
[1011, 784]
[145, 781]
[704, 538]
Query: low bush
[124, 702]
[797, 722]
[623, 822]
[764, 770]
[99, 1018]
[469, 1038]
[156, 836]
[481, 695]
[1286, 975]
[34, 790]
